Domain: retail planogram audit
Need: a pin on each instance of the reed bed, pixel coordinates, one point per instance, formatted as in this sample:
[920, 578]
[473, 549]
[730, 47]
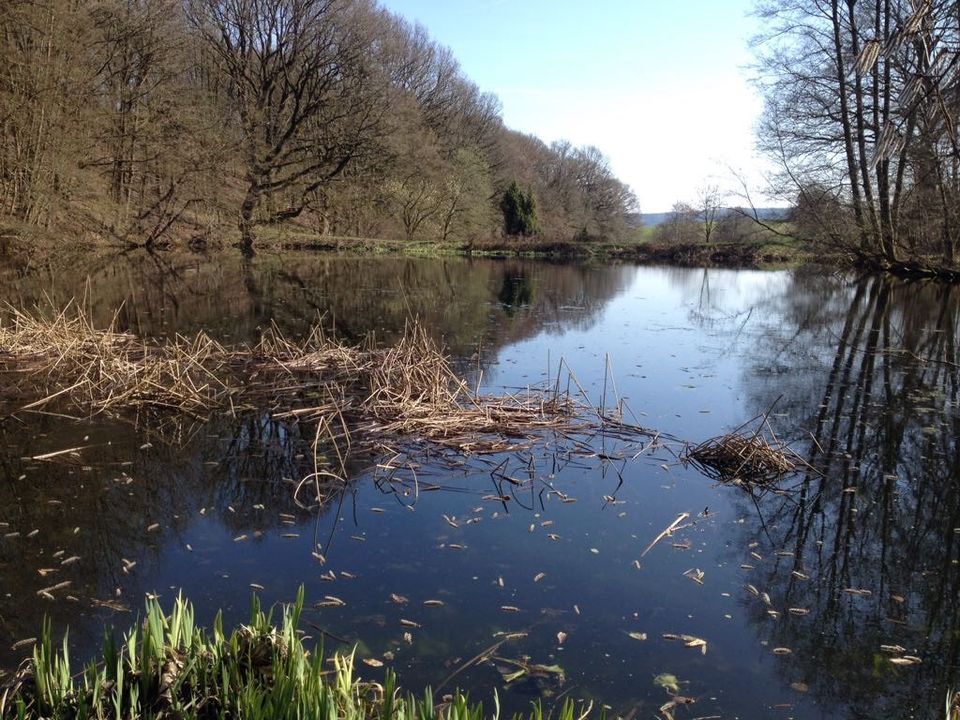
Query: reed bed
[62, 356]
[170, 668]
[355, 395]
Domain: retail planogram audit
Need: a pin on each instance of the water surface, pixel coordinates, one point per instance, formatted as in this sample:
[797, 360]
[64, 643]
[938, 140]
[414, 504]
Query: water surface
[860, 374]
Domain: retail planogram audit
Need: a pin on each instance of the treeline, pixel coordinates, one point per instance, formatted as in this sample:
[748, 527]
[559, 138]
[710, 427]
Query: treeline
[862, 102]
[153, 120]
[687, 225]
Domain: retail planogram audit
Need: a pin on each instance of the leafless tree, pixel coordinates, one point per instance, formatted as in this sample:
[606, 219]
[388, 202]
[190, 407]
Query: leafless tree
[302, 92]
[708, 209]
[862, 101]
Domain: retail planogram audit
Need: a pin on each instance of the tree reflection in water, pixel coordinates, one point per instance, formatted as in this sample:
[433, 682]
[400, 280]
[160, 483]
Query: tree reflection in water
[869, 544]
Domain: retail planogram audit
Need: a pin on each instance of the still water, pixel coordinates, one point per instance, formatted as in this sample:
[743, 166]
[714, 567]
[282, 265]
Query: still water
[859, 373]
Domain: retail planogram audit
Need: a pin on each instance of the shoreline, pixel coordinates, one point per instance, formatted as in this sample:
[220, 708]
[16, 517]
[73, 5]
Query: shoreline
[745, 255]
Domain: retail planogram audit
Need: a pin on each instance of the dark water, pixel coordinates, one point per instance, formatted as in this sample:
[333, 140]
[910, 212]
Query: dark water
[861, 374]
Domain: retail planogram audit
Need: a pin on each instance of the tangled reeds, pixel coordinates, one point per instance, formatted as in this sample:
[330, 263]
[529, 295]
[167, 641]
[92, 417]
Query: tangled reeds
[62, 356]
[750, 458]
[170, 668]
[356, 396]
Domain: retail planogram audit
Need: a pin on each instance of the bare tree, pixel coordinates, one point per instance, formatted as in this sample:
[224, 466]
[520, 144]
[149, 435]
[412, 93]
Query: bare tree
[862, 103]
[681, 225]
[708, 210]
[302, 91]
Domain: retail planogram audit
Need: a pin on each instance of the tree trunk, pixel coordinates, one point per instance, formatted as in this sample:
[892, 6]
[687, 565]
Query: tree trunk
[879, 236]
[845, 121]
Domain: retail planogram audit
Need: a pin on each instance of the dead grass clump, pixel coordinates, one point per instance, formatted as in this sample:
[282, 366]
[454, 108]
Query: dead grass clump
[409, 389]
[748, 458]
[62, 355]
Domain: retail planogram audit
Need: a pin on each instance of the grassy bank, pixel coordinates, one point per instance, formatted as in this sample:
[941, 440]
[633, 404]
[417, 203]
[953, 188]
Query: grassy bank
[748, 253]
[169, 668]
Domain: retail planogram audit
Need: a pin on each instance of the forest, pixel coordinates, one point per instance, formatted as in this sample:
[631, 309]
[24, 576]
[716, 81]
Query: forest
[156, 121]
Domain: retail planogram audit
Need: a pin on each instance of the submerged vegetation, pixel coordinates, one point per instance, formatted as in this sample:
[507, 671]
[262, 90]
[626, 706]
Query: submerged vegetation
[168, 667]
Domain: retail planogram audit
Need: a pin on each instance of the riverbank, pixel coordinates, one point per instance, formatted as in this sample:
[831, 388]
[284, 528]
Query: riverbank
[745, 254]
[749, 253]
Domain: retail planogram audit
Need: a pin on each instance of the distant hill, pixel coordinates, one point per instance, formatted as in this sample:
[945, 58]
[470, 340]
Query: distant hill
[654, 219]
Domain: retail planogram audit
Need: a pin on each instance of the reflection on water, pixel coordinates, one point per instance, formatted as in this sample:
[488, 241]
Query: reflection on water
[841, 565]
[872, 396]
[469, 302]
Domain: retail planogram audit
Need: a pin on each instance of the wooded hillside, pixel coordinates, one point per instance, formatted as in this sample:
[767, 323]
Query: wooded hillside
[150, 121]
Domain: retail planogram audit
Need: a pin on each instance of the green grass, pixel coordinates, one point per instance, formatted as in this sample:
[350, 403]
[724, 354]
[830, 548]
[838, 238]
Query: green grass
[167, 667]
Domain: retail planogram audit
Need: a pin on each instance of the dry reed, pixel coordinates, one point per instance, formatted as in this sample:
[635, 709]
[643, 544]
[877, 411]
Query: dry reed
[351, 392]
[749, 458]
[61, 355]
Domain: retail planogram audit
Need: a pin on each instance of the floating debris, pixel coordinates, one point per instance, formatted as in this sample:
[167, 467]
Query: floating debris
[906, 660]
[746, 458]
[23, 643]
[667, 532]
[48, 592]
[668, 681]
[526, 669]
[690, 641]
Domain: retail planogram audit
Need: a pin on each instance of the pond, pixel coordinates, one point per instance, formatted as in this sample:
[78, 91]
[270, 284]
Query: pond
[802, 592]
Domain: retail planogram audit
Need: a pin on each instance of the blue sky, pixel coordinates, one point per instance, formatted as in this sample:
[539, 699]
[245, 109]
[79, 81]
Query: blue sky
[659, 85]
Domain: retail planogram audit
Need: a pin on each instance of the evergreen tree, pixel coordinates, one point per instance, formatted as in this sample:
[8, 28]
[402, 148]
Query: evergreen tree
[519, 211]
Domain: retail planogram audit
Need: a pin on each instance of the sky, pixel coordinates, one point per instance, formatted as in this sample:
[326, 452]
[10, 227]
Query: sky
[660, 86]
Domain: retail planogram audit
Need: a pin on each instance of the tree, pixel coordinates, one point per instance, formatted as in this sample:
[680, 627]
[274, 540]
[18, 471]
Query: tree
[43, 88]
[519, 211]
[681, 225]
[298, 79]
[862, 101]
[708, 210]
[153, 120]
[465, 207]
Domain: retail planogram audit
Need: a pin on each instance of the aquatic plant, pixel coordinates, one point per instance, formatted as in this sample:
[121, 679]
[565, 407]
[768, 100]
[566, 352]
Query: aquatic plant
[168, 667]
